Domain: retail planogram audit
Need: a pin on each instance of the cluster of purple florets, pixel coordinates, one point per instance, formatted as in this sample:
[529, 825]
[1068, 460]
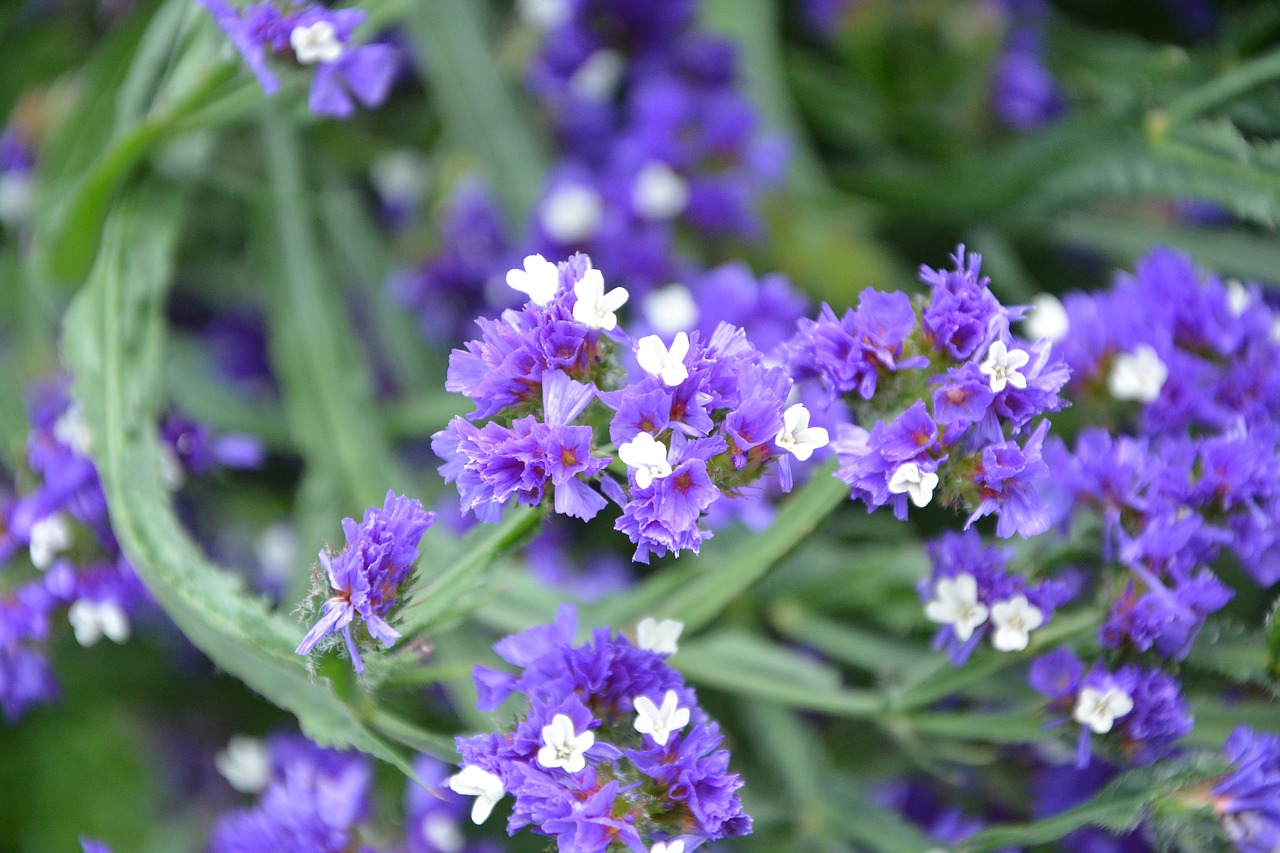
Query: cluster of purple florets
[1024, 93]
[366, 579]
[626, 785]
[1247, 800]
[952, 394]
[551, 386]
[311, 34]
[59, 558]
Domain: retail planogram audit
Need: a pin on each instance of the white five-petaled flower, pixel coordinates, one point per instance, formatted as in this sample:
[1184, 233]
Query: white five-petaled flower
[670, 309]
[656, 359]
[659, 193]
[658, 637]
[316, 43]
[647, 456]
[1014, 620]
[486, 787]
[659, 722]
[563, 748]
[1048, 319]
[1137, 375]
[245, 764]
[92, 620]
[1002, 366]
[955, 603]
[594, 307]
[1099, 709]
[50, 536]
[676, 846]
[571, 213]
[796, 434]
[540, 279]
[909, 479]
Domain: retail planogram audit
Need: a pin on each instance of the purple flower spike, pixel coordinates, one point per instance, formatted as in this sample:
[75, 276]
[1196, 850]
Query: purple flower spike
[366, 578]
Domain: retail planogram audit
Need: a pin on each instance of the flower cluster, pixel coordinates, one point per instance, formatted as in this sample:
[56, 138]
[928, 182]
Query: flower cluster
[366, 578]
[311, 35]
[1247, 800]
[971, 594]
[950, 390]
[1141, 710]
[1024, 93]
[612, 750]
[702, 418]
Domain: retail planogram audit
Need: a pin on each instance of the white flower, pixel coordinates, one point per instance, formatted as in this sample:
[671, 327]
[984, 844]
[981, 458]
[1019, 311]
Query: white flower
[1238, 297]
[955, 603]
[647, 456]
[172, 474]
[50, 536]
[659, 193]
[657, 722]
[545, 14]
[670, 309]
[539, 278]
[92, 620]
[658, 637]
[245, 764]
[797, 436]
[594, 307]
[400, 176]
[17, 191]
[676, 846]
[1014, 621]
[276, 550]
[1048, 319]
[1138, 375]
[656, 359]
[1099, 709]
[1002, 366]
[562, 747]
[316, 43]
[571, 213]
[598, 77]
[71, 430]
[486, 787]
[909, 479]
[441, 831]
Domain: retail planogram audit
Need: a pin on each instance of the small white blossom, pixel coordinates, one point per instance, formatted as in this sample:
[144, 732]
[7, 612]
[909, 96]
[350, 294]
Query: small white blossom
[400, 176]
[245, 764]
[909, 479]
[659, 193]
[50, 536]
[1238, 297]
[1138, 375]
[671, 309]
[676, 846]
[92, 620]
[657, 360]
[955, 603]
[598, 77]
[443, 833]
[486, 787]
[1014, 620]
[660, 723]
[571, 213]
[594, 307]
[540, 279]
[563, 748]
[1002, 366]
[17, 192]
[71, 430]
[545, 14]
[1048, 319]
[796, 434]
[647, 456]
[172, 474]
[316, 43]
[276, 550]
[1099, 709]
[661, 638]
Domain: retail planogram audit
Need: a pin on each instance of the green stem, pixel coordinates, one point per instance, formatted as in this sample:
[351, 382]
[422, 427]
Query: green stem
[1217, 91]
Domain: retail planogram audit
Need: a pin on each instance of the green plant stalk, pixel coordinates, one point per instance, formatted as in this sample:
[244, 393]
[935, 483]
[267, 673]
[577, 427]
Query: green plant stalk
[1217, 91]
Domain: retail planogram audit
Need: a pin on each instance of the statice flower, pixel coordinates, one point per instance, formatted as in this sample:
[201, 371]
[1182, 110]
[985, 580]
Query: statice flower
[952, 398]
[1024, 93]
[1247, 800]
[17, 177]
[611, 749]
[367, 577]
[1141, 711]
[311, 35]
[971, 594]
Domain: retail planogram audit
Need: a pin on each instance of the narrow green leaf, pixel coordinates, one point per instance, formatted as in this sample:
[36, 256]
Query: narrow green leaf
[1219, 90]
[114, 343]
[1012, 727]
[857, 647]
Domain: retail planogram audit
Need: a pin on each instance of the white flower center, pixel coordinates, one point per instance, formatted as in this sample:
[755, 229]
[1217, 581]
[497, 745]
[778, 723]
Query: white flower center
[656, 359]
[955, 603]
[571, 213]
[563, 748]
[316, 43]
[1014, 620]
[909, 479]
[245, 764]
[797, 436]
[647, 456]
[660, 722]
[1002, 366]
[1138, 375]
[593, 307]
[1099, 709]
[659, 193]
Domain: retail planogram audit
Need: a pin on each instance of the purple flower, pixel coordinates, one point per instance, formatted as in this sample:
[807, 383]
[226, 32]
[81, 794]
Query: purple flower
[1024, 93]
[1004, 478]
[1247, 800]
[963, 314]
[366, 578]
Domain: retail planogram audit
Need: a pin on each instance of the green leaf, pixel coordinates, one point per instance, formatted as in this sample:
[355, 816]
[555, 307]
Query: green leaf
[743, 664]
[114, 343]
[864, 649]
[1273, 640]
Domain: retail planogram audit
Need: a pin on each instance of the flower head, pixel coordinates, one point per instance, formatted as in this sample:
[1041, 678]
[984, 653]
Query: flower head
[668, 364]
[593, 306]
